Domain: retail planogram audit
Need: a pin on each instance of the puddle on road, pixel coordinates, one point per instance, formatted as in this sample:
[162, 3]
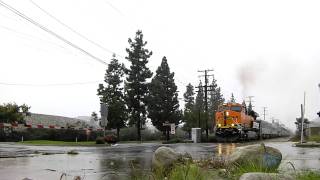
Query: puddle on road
[117, 162]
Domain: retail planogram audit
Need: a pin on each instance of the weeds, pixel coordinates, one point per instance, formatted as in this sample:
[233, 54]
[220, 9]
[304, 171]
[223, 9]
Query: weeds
[308, 175]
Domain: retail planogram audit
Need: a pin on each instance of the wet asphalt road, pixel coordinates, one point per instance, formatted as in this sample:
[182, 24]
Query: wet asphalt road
[117, 162]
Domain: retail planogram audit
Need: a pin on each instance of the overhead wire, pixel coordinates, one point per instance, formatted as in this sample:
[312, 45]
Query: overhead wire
[73, 30]
[17, 12]
[30, 36]
[114, 7]
[45, 85]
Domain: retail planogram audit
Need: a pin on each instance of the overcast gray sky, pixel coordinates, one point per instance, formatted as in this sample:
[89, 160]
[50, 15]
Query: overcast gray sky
[268, 49]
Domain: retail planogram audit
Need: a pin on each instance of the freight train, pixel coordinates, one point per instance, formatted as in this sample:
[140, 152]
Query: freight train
[235, 122]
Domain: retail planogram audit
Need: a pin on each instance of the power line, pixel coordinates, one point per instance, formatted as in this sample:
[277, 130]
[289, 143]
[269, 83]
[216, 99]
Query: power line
[73, 30]
[50, 32]
[30, 36]
[114, 7]
[45, 85]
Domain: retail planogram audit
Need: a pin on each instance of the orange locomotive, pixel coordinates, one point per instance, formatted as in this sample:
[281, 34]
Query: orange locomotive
[234, 121]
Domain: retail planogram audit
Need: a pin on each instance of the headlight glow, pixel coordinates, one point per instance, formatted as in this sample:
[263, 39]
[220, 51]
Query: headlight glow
[219, 125]
[232, 124]
[227, 113]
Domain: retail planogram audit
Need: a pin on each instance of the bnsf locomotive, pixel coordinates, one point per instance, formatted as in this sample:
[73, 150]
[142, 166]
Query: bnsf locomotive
[235, 122]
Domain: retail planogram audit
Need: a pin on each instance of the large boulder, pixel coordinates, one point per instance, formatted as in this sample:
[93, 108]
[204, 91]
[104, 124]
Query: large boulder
[165, 157]
[257, 155]
[265, 176]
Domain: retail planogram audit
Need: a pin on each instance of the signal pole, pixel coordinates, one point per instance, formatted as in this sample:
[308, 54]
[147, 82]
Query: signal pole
[303, 109]
[264, 118]
[264, 113]
[206, 97]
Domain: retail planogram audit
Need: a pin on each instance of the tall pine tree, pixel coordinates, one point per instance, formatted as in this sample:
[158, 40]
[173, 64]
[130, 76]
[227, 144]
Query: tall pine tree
[163, 98]
[136, 85]
[112, 95]
[232, 99]
[216, 99]
[189, 117]
[200, 107]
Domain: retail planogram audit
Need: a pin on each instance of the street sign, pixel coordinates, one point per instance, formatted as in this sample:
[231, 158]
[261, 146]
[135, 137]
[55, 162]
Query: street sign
[173, 128]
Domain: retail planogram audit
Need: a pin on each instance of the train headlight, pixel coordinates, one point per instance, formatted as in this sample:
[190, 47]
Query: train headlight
[219, 125]
[232, 124]
[227, 113]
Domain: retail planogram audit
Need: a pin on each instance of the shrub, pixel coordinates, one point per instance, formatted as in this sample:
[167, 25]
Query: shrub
[100, 140]
[50, 134]
[110, 138]
[173, 141]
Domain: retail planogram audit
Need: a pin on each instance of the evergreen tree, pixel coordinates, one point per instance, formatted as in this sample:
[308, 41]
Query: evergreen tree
[136, 85]
[232, 99]
[94, 116]
[163, 98]
[200, 107]
[112, 95]
[216, 99]
[13, 113]
[189, 118]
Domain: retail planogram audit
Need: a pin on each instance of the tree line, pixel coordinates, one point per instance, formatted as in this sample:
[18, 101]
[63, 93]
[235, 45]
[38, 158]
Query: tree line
[134, 93]
[13, 113]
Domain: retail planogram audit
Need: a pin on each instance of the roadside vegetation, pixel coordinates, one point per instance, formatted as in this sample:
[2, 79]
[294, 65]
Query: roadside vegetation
[211, 169]
[201, 170]
[308, 175]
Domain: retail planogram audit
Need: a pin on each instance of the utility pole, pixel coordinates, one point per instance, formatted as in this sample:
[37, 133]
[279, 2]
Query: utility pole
[206, 97]
[264, 113]
[303, 109]
[264, 118]
[250, 102]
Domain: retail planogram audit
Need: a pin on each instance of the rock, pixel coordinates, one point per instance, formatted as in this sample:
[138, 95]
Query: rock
[258, 155]
[165, 157]
[265, 176]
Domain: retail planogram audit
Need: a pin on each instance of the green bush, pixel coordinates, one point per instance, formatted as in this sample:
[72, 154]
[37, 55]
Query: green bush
[50, 134]
[100, 140]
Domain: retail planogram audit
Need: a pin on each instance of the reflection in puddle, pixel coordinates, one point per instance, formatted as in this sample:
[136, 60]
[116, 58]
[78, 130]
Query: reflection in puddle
[225, 149]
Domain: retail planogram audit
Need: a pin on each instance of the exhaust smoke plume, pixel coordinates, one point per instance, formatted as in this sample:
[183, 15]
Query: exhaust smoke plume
[247, 74]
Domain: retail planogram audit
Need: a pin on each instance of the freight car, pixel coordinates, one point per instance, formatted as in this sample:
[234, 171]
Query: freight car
[236, 122]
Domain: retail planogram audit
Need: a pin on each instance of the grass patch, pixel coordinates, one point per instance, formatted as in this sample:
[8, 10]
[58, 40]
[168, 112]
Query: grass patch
[235, 171]
[188, 171]
[308, 175]
[314, 138]
[58, 143]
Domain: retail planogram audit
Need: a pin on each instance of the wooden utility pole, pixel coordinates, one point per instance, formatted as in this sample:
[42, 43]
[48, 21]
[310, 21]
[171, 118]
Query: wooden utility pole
[264, 118]
[206, 97]
[264, 113]
[303, 109]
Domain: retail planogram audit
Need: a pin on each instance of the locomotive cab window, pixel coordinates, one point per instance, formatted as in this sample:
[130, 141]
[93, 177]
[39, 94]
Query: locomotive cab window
[223, 108]
[236, 108]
